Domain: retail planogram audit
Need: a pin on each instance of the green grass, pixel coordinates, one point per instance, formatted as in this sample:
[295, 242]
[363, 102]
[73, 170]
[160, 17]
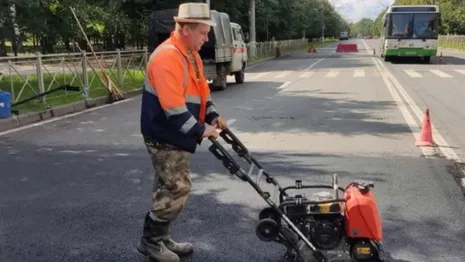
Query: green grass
[133, 80]
[457, 46]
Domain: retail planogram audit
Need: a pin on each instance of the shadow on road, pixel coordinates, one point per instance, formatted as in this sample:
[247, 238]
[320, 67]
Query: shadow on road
[88, 204]
[308, 108]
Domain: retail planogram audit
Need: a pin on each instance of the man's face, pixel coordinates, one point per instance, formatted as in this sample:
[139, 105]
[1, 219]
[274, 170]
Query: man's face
[196, 35]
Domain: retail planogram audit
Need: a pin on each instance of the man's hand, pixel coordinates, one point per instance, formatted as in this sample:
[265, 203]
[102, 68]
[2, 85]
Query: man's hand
[220, 123]
[210, 131]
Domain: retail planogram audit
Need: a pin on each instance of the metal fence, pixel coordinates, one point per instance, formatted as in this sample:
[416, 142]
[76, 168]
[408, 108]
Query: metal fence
[267, 49]
[27, 76]
[452, 41]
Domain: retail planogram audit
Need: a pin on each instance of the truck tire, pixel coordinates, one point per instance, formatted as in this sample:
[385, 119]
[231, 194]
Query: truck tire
[221, 81]
[223, 84]
[239, 76]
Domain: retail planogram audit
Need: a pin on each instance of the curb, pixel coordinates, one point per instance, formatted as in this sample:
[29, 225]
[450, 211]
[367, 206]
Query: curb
[35, 117]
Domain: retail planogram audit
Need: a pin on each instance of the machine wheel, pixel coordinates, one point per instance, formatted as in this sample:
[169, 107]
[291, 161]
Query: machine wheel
[269, 212]
[240, 76]
[267, 230]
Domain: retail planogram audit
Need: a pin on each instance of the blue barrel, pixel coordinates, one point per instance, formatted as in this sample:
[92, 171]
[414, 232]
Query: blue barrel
[5, 104]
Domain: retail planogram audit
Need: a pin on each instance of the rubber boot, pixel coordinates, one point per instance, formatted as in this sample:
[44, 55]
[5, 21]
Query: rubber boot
[181, 249]
[151, 243]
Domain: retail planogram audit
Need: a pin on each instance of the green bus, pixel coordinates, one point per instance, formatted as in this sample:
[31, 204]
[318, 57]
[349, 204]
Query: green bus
[410, 31]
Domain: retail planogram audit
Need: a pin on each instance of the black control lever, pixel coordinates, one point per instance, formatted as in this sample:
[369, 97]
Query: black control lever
[220, 152]
[236, 144]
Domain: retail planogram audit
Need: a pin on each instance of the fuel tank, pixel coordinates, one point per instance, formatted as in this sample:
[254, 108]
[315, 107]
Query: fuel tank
[361, 213]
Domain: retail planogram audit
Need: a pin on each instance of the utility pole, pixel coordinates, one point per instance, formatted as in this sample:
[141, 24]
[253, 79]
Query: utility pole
[323, 25]
[252, 38]
[323, 32]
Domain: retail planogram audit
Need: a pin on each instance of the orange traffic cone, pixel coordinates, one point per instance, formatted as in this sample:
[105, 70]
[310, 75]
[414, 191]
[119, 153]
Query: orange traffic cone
[426, 135]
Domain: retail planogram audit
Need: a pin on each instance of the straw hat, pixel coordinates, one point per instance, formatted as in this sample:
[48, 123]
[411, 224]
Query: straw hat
[194, 13]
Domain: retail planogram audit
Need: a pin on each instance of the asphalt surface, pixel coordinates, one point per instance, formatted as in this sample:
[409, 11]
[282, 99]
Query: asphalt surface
[77, 189]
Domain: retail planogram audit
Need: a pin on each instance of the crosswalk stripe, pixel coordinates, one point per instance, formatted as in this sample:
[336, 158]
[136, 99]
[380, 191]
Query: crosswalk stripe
[356, 73]
[439, 73]
[283, 74]
[258, 75]
[332, 73]
[306, 74]
[359, 73]
[412, 73]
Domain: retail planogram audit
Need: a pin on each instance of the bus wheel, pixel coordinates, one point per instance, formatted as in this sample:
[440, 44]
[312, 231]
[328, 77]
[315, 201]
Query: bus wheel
[427, 59]
[386, 58]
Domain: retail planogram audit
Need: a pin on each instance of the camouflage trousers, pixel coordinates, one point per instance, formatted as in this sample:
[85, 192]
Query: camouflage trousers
[172, 183]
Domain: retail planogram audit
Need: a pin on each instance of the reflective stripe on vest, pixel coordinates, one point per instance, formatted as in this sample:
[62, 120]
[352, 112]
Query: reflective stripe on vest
[148, 87]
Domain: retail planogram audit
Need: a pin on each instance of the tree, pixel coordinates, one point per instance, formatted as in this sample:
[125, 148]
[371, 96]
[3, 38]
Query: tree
[112, 24]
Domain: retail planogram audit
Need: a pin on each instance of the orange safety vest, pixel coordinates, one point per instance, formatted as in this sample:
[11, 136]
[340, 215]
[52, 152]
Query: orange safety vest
[175, 103]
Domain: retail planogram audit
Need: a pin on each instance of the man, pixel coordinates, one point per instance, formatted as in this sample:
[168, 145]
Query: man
[176, 114]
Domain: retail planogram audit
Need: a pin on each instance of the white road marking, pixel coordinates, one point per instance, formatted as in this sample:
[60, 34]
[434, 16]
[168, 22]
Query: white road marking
[248, 108]
[306, 74]
[461, 71]
[439, 73]
[258, 75]
[63, 117]
[231, 121]
[283, 74]
[359, 73]
[413, 73]
[284, 85]
[332, 73]
[312, 65]
[445, 148]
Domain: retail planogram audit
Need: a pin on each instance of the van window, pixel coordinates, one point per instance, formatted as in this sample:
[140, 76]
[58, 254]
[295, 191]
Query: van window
[234, 33]
[239, 35]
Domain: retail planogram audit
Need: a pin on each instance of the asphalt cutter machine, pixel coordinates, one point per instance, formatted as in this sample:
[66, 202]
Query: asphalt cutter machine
[324, 228]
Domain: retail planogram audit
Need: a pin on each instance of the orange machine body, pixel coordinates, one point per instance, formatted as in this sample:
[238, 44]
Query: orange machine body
[361, 214]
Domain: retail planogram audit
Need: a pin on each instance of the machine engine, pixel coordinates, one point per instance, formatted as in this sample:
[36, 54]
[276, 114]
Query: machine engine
[322, 224]
[344, 229]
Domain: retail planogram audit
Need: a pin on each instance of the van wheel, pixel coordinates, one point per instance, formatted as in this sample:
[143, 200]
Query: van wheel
[239, 76]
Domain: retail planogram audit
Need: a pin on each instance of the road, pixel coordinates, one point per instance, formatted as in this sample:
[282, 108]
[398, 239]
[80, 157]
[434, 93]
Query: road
[438, 86]
[77, 189]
